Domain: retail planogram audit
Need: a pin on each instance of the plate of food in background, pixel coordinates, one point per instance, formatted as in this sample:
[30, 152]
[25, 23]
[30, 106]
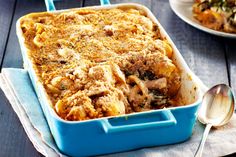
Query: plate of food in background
[216, 17]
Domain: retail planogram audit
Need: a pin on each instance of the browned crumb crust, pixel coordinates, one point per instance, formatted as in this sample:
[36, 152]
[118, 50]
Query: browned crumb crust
[96, 63]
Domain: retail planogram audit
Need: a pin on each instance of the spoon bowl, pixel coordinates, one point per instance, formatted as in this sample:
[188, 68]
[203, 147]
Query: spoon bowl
[216, 110]
[217, 106]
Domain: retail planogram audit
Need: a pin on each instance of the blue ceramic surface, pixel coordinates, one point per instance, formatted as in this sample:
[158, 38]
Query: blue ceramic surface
[51, 7]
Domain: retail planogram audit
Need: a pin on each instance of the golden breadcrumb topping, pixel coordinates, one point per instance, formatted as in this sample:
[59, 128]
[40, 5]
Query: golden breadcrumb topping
[97, 63]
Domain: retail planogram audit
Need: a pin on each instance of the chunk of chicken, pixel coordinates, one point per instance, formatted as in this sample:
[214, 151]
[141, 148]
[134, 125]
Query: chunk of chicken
[62, 83]
[102, 73]
[111, 105]
[156, 84]
[69, 107]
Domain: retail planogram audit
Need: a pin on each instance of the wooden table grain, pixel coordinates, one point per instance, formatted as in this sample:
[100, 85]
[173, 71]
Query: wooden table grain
[211, 58]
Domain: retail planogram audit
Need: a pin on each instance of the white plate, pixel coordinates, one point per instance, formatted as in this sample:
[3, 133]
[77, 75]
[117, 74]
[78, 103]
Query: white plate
[184, 11]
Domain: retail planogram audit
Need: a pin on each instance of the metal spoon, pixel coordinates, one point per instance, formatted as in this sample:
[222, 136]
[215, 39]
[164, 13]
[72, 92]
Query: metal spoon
[216, 110]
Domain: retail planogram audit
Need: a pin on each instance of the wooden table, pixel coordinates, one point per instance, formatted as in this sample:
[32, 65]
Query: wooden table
[212, 58]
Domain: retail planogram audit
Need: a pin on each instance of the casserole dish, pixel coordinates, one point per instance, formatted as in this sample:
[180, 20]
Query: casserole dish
[127, 132]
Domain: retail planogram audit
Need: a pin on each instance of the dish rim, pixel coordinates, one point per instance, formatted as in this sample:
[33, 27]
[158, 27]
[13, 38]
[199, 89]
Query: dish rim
[201, 88]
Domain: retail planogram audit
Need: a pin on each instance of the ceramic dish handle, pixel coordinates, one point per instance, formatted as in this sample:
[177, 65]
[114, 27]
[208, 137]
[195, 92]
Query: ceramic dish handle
[51, 7]
[147, 120]
[105, 2]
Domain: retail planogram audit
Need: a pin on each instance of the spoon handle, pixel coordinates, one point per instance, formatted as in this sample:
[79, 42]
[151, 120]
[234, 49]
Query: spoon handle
[204, 137]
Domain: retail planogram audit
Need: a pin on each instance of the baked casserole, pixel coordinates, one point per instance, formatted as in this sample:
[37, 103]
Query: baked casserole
[99, 63]
[219, 15]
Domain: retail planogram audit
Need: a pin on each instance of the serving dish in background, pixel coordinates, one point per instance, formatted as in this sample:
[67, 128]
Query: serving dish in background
[127, 132]
[183, 9]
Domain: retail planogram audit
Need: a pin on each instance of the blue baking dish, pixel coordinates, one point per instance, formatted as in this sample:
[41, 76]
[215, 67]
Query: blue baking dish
[127, 132]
